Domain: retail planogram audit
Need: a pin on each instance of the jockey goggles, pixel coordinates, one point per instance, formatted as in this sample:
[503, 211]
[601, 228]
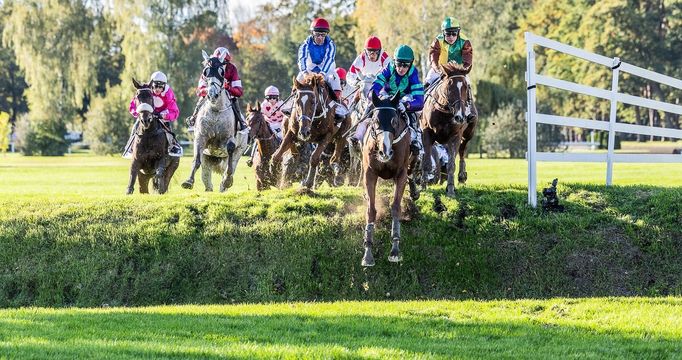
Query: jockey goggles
[403, 64]
[272, 97]
[373, 51]
[158, 84]
[319, 34]
[451, 32]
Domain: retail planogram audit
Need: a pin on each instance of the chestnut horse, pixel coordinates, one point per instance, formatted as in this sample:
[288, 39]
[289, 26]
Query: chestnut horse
[312, 120]
[444, 121]
[266, 143]
[386, 154]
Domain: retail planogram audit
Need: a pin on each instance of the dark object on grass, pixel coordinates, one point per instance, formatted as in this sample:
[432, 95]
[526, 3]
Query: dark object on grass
[677, 151]
[551, 200]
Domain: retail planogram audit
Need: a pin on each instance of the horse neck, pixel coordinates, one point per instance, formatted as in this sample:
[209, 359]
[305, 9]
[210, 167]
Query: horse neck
[151, 130]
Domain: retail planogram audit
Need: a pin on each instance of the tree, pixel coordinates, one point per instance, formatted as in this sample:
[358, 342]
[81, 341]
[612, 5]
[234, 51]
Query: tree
[5, 130]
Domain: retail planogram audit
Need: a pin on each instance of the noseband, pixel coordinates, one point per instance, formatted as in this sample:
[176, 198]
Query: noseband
[373, 132]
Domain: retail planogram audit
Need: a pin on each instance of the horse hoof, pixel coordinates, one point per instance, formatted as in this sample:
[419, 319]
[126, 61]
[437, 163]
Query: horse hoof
[187, 185]
[395, 258]
[129, 192]
[450, 193]
[368, 258]
[226, 184]
[208, 190]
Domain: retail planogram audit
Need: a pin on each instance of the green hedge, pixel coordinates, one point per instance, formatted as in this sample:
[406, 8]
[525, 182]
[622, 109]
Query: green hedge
[281, 246]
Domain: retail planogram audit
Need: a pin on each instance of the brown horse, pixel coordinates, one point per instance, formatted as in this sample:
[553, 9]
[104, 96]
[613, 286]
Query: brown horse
[386, 154]
[150, 147]
[312, 121]
[266, 142]
[444, 121]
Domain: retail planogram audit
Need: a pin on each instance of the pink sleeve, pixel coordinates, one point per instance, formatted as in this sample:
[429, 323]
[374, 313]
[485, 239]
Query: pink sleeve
[171, 106]
[133, 108]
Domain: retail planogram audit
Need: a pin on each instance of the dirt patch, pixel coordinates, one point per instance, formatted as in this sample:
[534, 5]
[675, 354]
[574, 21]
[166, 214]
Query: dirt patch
[438, 205]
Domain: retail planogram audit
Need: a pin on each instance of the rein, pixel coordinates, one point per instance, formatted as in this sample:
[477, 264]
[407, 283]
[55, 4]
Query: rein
[374, 132]
[447, 108]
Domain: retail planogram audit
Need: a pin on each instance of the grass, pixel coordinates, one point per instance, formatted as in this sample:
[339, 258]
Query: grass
[597, 328]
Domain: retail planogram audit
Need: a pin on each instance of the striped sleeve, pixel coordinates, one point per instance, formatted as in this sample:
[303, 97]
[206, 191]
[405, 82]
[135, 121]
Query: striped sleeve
[381, 80]
[329, 57]
[417, 92]
[302, 53]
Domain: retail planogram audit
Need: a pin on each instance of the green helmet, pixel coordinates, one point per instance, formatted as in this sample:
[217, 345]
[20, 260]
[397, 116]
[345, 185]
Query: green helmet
[403, 53]
[449, 23]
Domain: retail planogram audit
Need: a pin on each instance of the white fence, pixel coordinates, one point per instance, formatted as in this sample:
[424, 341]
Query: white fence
[533, 79]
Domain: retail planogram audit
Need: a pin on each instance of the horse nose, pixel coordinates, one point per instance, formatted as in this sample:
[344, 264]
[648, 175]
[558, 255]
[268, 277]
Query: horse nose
[459, 118]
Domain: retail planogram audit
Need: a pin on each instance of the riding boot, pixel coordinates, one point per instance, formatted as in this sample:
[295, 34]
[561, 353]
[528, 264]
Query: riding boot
[241, 125]
[470, 109]
[415, 133]
[128, 150]
[189, 121]
[249, 162]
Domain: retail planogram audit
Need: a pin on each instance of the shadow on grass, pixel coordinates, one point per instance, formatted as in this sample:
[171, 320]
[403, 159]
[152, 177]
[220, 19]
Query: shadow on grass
[135, 335]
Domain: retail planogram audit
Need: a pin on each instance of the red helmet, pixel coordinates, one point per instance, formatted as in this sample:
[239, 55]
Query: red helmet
[373, 43]
[319, 24]
[341, 72]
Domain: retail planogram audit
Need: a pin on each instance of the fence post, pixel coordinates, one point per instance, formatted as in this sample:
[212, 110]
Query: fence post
[532, 127]
[612, 121]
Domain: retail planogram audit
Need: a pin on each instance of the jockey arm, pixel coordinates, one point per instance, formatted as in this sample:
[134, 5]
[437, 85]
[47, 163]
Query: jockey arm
[467, 55]
[133, 108]
[302, 55]
[353, 77]
[232, 83]
[171, 112]
[434, 54]
[416, 89]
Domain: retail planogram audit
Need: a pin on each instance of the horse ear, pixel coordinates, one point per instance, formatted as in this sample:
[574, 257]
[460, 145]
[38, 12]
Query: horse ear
[248, 107]
[257, 106]
[375, 99]
[295, 83]
[136, 84]
[444, 70]
[204, 54]
[395, 99]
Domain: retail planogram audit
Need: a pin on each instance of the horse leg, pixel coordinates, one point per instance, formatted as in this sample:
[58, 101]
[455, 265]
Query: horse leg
[335, 161]
[467, 135]
[313, 163]
[286, 144]
[199, 145]
[452, 147]
[427, 141]
[400, 182]
[158, 180]
[134, 169]
[168, 175]
[370, 191]
[228, 173]
[143, 180]
[206, 171]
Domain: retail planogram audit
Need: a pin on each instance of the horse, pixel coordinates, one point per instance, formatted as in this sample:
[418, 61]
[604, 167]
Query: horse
[358, 109]
[386, 154]
[217, 144]
[266, 142]
[444, 121]
[312, 121]
[150, 147]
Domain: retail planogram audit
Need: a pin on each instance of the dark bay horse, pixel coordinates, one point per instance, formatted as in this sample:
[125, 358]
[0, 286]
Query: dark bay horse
[150, 147]
[386, 154]
[444, 121]
[266, 142]
[312, 121]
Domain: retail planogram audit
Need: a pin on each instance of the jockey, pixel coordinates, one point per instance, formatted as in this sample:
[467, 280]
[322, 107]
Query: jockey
[399, 76]
[317, 55]
[268, 107]
[369, 63]
[451, 46]
[165, 108]
[231, 83]
[345, 90]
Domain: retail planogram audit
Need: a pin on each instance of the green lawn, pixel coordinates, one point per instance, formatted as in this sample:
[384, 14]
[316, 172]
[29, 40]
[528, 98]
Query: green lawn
[87, 175]
[597, 328]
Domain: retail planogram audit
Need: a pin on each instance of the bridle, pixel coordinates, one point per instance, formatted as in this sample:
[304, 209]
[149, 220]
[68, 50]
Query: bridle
[373, 132]
[316, 103]
[448, 107]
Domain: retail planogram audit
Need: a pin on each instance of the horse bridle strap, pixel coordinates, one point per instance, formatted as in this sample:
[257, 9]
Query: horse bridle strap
[402, 134]
[145, 107]
[324, 108]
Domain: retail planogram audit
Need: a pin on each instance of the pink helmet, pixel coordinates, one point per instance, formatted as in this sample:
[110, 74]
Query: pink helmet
[222, 54]
[271, 91]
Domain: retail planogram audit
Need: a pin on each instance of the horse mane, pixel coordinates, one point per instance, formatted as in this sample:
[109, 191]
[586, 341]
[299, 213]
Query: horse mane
[312, 79]
[453, 68]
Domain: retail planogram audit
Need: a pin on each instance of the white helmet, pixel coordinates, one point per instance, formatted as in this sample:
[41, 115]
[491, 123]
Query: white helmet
[159, 76]
[271, 91]
[222, 54]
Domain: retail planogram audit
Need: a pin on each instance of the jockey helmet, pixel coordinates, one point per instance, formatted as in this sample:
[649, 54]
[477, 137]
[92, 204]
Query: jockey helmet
[319, 24]
[403, 53]
[449, 23]
[158, 76]
[271, 91]
[342, 73]
[373, 43]
[222, 54]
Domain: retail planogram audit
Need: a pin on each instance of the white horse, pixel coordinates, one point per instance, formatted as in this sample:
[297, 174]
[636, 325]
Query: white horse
[217, 144]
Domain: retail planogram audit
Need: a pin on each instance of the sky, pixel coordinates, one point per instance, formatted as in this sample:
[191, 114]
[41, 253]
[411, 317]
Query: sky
[241, 10]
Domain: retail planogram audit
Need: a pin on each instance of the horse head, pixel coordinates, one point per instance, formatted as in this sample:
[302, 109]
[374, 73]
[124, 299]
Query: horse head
[454, 90]
[386, 127]
[255, 120]
[214, 73]
[309, 102]
[144, 103]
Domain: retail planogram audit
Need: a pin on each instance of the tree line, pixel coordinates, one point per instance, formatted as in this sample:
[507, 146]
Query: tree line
[66, 64]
